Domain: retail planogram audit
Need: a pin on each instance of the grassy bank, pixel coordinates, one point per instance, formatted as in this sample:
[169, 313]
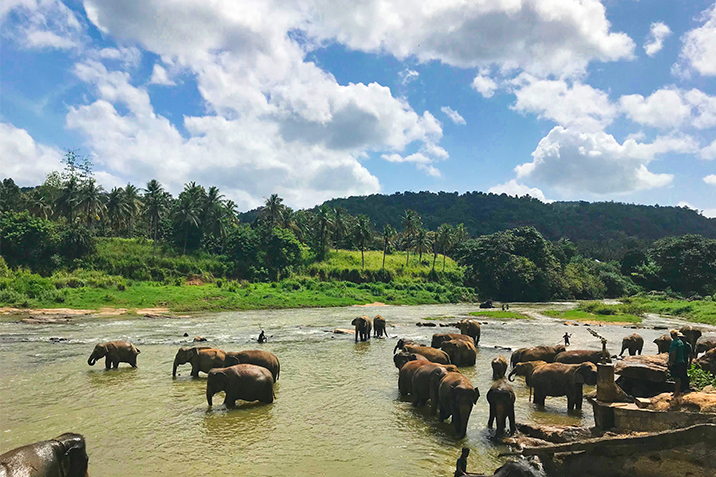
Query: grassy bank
[600, 312]
[702, 311]
[500, 315]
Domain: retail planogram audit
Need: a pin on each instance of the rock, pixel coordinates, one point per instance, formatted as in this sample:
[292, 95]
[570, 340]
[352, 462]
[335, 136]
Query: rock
[661, 327]
[555, 434]
[709, 389]
[56, 339]
[47, 320]
[644, 367]
[340, 331]
[690, 402]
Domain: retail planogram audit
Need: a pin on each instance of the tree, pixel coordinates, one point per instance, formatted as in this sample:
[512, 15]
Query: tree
[363, 233]
[341, 225]
[186, 215]
[411, 224]
[133, 206]
[115, 207]
[156, 201]
[388, 234]
[444, 238]
[422, 242]
[11, 197]
[214, 213]
[90, 202]
[68, 199]
[273, 209]
[324, 223]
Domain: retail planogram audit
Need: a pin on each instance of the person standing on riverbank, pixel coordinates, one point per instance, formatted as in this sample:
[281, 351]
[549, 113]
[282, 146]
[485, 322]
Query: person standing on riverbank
[679, 353]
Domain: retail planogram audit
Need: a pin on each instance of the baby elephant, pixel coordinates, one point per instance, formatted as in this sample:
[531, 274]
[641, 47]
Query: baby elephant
[499, 368]
[257, 357]
[63, 456]
[114, 352]
[633, 343]
[242, 381]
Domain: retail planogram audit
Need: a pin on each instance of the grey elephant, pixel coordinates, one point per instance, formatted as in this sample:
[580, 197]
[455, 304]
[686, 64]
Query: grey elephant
[241, 381]
[363, 326]
[257, 357]
[525, 369]
[692, 336]
[379, 327]
[114, 352]
[440, 338]
[499, 367]
[63, 456]
[576, 356]
[705, 343]
[559, 379]
[501, 398]
[403, 357]
[456, 397]
[461, 353]
[536, 353]
[405, 376]
[708, 361]
[633, 343]
[426, 380]
[470, 328]
[663, 343]
[201, 358]
[432, 354]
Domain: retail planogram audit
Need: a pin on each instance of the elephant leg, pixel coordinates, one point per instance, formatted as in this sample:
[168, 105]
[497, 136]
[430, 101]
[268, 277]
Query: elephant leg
[491, 420]
[511, 415]
[133, 363]
[115, 363]
[194, 370]
[579, 398]
[107, 363]
[356, 334]
[539, 397]
[501, 421]
[416, 399]
[230, 400]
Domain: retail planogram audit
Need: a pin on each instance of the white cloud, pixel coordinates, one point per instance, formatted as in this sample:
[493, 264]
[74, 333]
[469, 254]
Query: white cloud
[160, 76]
[710, 179]
[578, 105]
[44, 24]
[710, 213]
[709, 152]
[655, 41]
[699, 46]
[453, 115]
[516, 189]
[484, 85]
[408, 75]
[671, 108]
[421, 161]
[23, 159]
[576, 162]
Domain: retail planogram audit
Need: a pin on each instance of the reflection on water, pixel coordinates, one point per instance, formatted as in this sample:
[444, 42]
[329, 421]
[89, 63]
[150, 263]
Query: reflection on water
[337, 412]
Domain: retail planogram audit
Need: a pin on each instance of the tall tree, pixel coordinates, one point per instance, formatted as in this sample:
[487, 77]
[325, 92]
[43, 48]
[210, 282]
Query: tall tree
[422, 242]
[68, 198]
[91, 202]
[156, 201]
[363, 233]
[324, 223]
[133, 206]
[273, 209]
[444, 241]
[411, 224]
[340, 225]
[214, 213]
[116, 209]
[186, 214]
[388, 235]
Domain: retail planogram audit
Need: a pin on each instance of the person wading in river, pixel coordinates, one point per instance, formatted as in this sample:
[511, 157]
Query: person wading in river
[566, 339]
[679, 355]
[461, 467]
[262, 337]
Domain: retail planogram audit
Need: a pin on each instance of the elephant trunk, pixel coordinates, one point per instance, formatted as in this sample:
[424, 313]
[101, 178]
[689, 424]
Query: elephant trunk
[396, 348]
[511, 376]
[91, 361]
[174, 369]
[209, 395]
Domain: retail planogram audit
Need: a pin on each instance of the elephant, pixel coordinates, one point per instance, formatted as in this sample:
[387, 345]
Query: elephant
[462, 353]
[405, 376]
[379, 327]
[456, 396]
[531, 467]
[499, 368]
[202, 358]
[440, 338]
[501, 398]
[559, 379]
[114, 352]
[432, 354]
[634, 343]
[363, 326]
[577, 356]
[487, 304]
[63, 456]
[402, 343]
[426, 380]
[663, 343]
[257, 357]
[536, 353]
[241, 381]
[692, 335]
[708, 361]
[525, 369]
[470, 328]
[705, 343]
[403, 357]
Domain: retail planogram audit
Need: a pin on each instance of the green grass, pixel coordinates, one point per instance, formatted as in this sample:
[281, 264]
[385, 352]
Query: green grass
[703, 311]
[439, 318]
[581, 315]
[501, 315]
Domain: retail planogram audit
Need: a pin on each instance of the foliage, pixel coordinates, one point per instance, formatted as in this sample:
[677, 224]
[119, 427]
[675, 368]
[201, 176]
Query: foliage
[700, 378]
[581, 315]
[500, 315]
[663, 304]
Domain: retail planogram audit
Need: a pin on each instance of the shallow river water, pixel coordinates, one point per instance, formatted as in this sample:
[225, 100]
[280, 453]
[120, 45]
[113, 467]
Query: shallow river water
[337, 412]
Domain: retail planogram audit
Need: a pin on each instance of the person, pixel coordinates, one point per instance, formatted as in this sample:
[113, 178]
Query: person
[262, 337]
[461, 467]
[679, 354]
[566, 338]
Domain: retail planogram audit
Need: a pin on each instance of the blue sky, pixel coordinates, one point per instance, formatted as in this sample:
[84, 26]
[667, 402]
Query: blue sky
[560, 99]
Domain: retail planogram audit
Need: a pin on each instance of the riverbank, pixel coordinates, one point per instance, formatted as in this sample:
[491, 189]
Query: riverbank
[698, 311]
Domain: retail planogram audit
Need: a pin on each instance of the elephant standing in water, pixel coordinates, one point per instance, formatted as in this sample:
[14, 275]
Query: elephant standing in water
[525, 369]
[363, 326]
[201, 359]
[634, 343]
[501, 397]
[470, 328]
[405, 376]
[426, 380]
[114, 352]
[456, 396]
[577, 356]
[536, 353]
[440, 338]
[257, 357]
[559, 379]
[461, 353]
[663, 343]
[241, 381]
[692, 336]
[499, 368]
[432, 354]
[63, 456]
[379, 327]
[403, 357]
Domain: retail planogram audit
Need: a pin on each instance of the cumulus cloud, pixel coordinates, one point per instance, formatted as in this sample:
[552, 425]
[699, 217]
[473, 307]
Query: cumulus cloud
[578, 105]
[671, 108]
[655, 41]
[408, 75]
[710, 179]
[516, 189]
[698, 51]
[453, 115]
[44, 24]
[160, 76]
[576, 162]
[709, 152]
[484, 85]
[25, 160]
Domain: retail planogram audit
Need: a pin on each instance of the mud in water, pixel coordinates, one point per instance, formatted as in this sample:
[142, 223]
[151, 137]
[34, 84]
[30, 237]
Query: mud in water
[337, 412]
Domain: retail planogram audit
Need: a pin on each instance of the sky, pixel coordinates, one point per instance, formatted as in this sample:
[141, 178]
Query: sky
[316, 99]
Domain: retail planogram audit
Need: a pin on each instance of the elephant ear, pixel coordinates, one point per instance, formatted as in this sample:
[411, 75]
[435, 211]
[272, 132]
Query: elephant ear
[231, 360]
[110, 347]
[74, 460]
[579, 374]
[193, 352]
[219, 380]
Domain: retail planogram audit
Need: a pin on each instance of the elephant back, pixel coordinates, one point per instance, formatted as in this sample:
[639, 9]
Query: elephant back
[578, 356]
[432, 354]
[257, 357]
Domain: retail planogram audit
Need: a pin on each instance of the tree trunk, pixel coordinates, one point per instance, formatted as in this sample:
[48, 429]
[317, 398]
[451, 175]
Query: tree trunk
[407, 257]
[443, 262]
[186, 236]
[362, 258]
[435, 257]
[384, 252]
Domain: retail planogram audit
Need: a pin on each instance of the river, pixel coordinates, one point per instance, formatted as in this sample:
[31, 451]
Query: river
[337, 412]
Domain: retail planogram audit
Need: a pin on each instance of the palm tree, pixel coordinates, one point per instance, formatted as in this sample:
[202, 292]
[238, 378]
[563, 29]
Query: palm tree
[273, 208]
[68, 198]
[133, 206]
[232, 211]
[388, 233]
[186, 214]
[460, 235]
[363, 232]
[411, 223]
[156, 201]
[116, 208]
[444, 241]
[422, 242]
[324, 222]
[39, 204]
[213, 213]
[340, 225]
[91, 201]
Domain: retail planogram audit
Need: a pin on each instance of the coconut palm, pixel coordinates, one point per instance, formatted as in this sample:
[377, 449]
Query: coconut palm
[156, 201]
[444, 241]
[91, 202]
[363, 233]
[133, 206]
[411, 224]
[39, 204]
[273, 209]
[341, 224]
[213, 213]
[68, 198]
[116, 209]
[460, 235]
[388, 234]
[324, 223]
[186, 214]
[422, 243]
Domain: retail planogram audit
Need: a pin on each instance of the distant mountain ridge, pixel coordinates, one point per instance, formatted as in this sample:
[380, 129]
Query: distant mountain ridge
[489, 213]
